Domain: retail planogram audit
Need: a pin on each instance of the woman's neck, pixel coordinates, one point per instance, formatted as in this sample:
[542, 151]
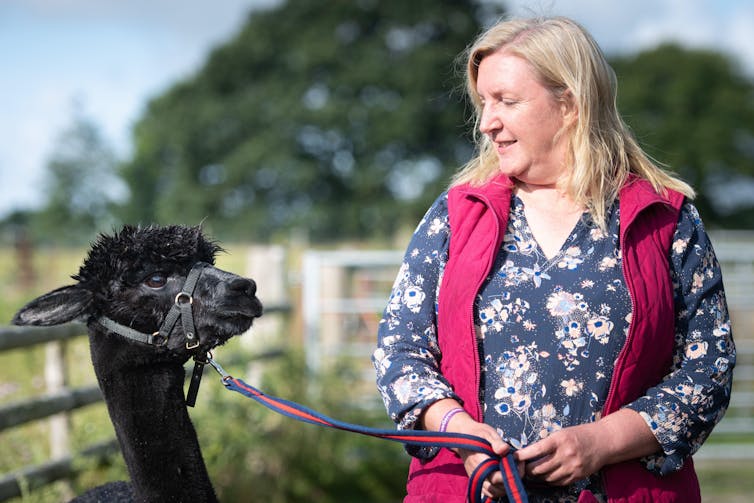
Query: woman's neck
[551, 215]
[547, 196]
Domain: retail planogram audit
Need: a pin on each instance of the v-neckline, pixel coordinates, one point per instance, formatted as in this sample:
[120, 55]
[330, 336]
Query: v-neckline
[520, 208]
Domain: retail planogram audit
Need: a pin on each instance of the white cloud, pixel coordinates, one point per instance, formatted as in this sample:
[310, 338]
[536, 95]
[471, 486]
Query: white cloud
[738, 36]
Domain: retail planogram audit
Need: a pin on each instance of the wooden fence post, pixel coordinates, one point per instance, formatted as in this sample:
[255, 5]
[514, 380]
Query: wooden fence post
[56, 380]
[267, 266]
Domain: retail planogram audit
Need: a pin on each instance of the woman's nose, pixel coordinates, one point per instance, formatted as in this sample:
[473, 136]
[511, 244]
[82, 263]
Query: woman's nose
[489, 121]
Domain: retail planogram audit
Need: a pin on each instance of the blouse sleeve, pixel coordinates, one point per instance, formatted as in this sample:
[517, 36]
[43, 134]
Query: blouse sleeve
[407, 356]
[683, 409]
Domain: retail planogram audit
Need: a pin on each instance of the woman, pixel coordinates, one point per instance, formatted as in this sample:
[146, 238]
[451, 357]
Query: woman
[562, 298]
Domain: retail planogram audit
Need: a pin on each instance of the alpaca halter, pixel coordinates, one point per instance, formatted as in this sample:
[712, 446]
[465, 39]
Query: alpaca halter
[181, 309]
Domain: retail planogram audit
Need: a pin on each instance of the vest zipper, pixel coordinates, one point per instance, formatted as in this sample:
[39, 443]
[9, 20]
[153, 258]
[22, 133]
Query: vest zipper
[488, 267]
[631, 328]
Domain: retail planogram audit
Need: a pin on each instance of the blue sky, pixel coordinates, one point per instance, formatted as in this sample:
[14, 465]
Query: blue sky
[108, 57]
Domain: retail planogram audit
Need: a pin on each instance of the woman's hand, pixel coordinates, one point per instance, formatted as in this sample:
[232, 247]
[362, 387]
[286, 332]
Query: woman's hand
[574, 453]
[566, 456]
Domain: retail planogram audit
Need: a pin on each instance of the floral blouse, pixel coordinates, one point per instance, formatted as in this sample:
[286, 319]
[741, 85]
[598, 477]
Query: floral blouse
[549, 332]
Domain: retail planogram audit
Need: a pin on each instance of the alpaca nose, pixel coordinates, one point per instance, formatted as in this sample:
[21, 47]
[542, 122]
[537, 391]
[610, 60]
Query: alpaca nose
[243, 285]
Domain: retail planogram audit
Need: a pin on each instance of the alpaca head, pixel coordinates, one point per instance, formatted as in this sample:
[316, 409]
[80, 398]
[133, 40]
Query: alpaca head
[133, 278]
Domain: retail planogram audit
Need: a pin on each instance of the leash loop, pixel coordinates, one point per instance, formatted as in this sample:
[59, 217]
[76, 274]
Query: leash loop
[506, 465]
[196, 379]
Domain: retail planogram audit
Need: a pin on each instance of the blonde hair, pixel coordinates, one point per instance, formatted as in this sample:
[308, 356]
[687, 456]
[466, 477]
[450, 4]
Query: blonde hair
[602, 150]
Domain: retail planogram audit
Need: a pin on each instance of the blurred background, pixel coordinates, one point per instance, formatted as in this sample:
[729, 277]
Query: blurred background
[309, 138]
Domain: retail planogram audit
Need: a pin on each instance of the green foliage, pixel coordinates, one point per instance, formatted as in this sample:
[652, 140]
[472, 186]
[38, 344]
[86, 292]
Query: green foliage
[344, 120]
[693, 110]
[309, 110]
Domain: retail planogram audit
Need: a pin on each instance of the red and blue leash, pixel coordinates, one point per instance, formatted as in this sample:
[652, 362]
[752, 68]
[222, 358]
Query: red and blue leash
[506, 465]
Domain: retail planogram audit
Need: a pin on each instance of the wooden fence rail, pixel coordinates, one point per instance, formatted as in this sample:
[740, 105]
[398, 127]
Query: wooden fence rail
[22, 412]
[29, 478]
[19, 337]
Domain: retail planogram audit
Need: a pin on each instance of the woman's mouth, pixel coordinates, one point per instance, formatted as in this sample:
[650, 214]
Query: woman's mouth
[502, 146]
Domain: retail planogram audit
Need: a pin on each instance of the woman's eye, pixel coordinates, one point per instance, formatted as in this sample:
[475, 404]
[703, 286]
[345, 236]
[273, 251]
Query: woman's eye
[156, 280]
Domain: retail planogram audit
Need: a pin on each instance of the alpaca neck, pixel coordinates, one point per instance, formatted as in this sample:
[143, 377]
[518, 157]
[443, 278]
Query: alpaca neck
[158, 442]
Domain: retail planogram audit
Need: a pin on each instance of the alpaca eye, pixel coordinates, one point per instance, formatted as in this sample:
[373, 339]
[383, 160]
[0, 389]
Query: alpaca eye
[156, 280]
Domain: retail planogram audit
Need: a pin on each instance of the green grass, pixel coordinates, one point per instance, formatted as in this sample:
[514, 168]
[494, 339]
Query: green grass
[726, 481]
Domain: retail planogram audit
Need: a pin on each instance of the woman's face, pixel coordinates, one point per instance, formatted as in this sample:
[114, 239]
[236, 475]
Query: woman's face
[521, 118]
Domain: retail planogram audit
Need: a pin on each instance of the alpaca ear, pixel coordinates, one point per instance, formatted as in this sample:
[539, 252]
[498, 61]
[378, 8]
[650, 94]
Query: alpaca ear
[55, 308]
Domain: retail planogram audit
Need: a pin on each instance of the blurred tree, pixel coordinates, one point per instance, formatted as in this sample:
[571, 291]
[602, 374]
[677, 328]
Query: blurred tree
[338, 118]
[81, 186]
[693, 110]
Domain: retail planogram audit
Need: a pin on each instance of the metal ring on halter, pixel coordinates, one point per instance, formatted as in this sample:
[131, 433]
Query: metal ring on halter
[194, 346]
[159, 340]
[180, 295]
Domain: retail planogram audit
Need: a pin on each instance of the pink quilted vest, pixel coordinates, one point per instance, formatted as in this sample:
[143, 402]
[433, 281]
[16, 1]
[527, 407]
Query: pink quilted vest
[478, 219]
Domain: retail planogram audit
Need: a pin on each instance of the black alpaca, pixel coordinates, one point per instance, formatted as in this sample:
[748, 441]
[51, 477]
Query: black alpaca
[134, 279]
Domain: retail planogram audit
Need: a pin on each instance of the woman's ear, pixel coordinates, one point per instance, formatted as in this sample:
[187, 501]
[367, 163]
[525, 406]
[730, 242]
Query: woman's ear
[569, 108]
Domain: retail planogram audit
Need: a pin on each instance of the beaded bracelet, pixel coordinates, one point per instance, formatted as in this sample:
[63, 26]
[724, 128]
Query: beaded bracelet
[447, 417]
